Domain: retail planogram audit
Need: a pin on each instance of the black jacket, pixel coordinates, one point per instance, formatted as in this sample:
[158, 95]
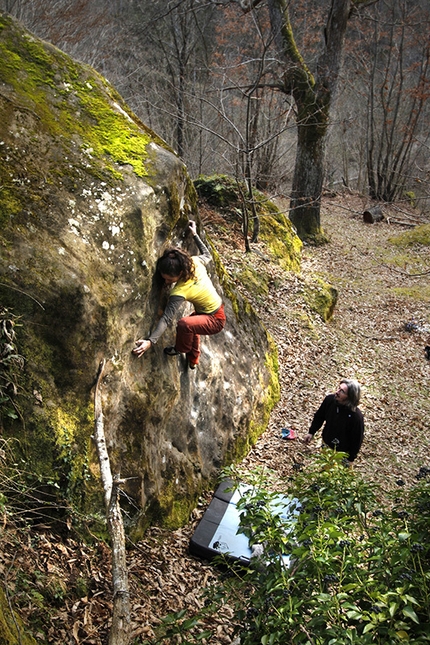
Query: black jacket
[341, 423]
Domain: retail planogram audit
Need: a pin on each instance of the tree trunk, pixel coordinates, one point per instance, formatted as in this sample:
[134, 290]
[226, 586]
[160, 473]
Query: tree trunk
[306, 191]
[313, 99]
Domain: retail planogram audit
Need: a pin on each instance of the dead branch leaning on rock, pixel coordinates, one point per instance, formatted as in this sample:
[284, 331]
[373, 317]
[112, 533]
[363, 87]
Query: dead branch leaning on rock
[119, 633]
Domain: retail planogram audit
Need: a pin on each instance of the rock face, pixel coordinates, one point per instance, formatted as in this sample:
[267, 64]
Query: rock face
[89, 198]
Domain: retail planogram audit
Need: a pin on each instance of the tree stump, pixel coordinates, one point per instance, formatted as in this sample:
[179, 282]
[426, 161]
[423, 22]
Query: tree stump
[372, 215]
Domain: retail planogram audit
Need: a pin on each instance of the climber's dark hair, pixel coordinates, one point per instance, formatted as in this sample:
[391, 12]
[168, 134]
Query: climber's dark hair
[175, 262]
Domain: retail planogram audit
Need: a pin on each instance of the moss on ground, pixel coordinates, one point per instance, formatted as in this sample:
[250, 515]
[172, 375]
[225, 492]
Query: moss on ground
[420, 294]
[419, 235]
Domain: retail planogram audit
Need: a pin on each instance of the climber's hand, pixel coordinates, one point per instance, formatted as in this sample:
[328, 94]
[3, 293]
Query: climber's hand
[141, 347]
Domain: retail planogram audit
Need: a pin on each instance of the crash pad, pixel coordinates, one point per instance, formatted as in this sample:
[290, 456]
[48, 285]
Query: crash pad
[217, 531]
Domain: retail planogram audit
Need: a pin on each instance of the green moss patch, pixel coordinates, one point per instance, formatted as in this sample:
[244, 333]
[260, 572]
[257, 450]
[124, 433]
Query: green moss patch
[420, 294]
[284, 244]
[254, 281]
[321, 297]
[420, 235]
[81, 114]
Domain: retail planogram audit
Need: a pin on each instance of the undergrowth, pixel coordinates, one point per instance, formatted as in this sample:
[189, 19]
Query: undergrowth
[357, 571]
[11, 364]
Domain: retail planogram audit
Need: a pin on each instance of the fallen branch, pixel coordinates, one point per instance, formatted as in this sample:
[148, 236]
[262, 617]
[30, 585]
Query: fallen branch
[381, 338]
[120, 631]
[393, 220]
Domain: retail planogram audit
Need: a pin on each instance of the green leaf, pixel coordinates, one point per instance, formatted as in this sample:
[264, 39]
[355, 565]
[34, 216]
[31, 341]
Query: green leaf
[356, 615]
[409, 613]
[350, 586]
[402, 635]
[172, 618]
[188, 624]
[404, 536]
[393, 608]
[368, 627]
[411, 599]
[350, 605]
[203, 635]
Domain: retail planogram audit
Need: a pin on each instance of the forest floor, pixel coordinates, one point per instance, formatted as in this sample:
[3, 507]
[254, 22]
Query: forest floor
[378, 334]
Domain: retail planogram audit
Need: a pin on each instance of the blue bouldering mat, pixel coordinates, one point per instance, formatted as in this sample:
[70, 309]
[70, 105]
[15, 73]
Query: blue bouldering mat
[217, 531]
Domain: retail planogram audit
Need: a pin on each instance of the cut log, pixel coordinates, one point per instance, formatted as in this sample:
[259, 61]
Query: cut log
[372, 215]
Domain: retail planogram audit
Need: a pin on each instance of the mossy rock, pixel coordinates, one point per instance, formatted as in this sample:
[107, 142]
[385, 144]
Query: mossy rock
[91, 198]
[75, 122]
[12, 630]
[224, 192]
[254, 280]
[219, 191]
[321, 297]
[276, 231]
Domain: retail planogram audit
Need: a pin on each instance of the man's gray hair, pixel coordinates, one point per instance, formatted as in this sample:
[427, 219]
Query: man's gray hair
[354, 392]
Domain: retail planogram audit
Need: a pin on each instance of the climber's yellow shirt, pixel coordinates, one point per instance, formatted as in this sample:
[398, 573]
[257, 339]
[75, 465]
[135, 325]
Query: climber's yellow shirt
[199, 290]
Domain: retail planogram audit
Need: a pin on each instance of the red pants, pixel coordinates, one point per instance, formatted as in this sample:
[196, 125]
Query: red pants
[189, 329]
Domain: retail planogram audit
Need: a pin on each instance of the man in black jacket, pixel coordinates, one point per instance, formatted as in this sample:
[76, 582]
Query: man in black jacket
[344, 424]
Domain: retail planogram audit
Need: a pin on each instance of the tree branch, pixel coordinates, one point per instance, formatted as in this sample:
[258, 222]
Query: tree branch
[120, 631]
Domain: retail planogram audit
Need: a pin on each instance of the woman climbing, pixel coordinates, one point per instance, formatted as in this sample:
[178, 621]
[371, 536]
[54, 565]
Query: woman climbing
[192, 284]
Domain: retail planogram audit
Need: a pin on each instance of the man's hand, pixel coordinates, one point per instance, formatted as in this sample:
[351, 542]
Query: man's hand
[308, 438]
[141, 347]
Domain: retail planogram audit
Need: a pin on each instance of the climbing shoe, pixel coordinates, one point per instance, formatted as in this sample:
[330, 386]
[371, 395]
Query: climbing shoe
[171, 351]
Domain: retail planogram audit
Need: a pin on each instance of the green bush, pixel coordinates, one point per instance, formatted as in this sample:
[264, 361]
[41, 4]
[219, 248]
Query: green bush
[359, 570]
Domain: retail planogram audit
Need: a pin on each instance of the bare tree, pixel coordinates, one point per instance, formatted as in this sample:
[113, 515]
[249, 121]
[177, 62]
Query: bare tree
[252, 94]
[313, 94]
[399, 80]
[174, 43]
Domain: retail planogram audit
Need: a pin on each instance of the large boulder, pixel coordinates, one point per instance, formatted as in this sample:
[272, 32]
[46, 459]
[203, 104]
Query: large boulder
[89, 198]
